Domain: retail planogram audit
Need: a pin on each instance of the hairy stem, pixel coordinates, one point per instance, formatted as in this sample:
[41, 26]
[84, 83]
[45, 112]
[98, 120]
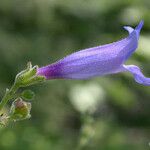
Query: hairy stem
[8, 95]
[86, 133]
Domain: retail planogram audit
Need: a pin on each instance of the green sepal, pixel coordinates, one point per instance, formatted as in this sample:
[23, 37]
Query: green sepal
[28, 77]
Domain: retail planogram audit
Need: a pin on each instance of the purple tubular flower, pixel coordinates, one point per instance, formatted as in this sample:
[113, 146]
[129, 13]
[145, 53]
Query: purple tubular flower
[98, 61]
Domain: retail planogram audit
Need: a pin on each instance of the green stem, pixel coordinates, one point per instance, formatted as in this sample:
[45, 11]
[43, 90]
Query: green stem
[86, 133]
[8, 95]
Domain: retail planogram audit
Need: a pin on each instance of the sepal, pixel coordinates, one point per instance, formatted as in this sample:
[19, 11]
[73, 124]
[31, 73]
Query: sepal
[28, 76]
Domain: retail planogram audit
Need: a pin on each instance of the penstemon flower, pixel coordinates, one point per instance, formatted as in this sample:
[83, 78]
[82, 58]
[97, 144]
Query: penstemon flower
[99, 61]
[84, 64]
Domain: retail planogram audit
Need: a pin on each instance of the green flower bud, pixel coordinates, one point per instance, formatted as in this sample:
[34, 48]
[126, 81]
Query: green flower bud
[20, 110]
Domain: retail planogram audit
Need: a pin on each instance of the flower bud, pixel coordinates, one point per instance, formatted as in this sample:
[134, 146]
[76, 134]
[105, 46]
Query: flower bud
[20, 110]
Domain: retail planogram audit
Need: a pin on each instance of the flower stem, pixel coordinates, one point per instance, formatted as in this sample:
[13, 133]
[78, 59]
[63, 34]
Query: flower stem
[8, 95]
[86, 133]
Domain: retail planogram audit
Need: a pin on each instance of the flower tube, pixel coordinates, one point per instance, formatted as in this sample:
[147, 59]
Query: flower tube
[98, 61]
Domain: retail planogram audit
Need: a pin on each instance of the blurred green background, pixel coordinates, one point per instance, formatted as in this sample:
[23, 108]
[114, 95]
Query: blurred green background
[43, 31]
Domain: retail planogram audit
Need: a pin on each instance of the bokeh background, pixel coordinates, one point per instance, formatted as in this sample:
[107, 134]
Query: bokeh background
[43, 31]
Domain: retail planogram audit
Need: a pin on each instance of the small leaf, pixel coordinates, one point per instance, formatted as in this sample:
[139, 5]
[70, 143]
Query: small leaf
[28, 95]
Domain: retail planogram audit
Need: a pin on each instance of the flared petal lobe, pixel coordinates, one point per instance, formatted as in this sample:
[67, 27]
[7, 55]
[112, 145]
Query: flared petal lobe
[96, 61]
[138, 76]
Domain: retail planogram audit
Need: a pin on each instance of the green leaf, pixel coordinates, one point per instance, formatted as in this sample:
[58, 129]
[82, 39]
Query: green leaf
[28, 95]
